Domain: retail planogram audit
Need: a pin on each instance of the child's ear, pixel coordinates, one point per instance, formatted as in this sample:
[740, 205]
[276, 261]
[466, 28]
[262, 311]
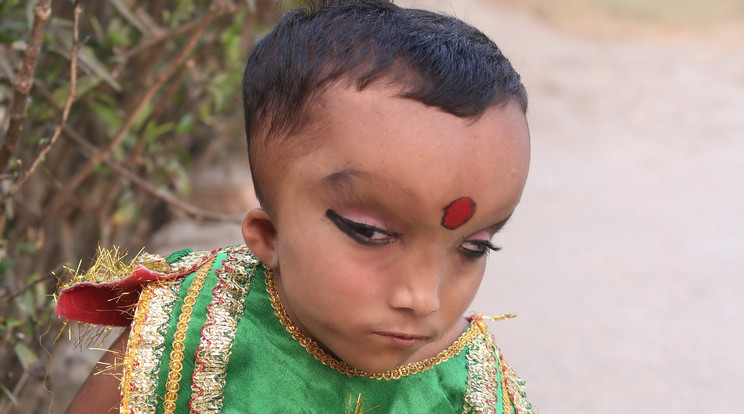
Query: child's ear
[259, 234]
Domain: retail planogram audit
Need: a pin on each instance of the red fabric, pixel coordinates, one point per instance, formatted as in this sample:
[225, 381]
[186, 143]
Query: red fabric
[107, 303]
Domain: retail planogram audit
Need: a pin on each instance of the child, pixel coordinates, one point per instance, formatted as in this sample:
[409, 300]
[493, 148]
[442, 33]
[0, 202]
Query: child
[387, 147]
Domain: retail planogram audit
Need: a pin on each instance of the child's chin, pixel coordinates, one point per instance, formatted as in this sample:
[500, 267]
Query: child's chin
[377, 364]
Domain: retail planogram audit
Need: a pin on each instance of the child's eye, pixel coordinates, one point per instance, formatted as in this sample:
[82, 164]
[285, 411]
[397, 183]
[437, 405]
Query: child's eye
[360, 232]
[474, 249]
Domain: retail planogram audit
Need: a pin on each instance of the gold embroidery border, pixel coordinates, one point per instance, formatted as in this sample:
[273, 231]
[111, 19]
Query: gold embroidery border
[315, 350]
[223, 314]
[508, 407]
[483, 377]
[145, 346]
[515, 388]
[177, 348]
[189, 262]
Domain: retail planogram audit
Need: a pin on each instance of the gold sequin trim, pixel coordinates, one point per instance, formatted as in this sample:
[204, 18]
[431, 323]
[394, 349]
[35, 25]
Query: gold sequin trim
[508, 408]
[223, 315]
[176, 355]
[145, 346]
[187, 264]
[515, 389]
[483, 377]
[315, 350]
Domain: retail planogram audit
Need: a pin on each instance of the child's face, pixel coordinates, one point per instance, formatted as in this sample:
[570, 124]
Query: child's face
[364, 259]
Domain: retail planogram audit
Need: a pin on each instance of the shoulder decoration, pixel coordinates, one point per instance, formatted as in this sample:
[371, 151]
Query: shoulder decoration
[107, 293]
[492, 387]
[514, 387]
[183, 331]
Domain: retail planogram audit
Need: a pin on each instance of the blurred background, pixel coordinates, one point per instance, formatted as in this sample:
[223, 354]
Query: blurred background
[624, 260]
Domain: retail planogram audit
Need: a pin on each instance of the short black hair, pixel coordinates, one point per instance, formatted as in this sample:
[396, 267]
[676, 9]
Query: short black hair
[437, 59]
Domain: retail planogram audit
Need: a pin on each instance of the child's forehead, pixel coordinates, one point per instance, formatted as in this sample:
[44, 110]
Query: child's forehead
[377, 143]
[345, 117]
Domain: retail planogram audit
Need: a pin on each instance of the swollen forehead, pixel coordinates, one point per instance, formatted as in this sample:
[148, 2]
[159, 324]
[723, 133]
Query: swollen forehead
[418, 146]
[383, 123]
[407, 146]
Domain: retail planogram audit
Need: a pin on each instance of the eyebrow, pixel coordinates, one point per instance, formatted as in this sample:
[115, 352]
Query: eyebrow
[341, 183]
[495, 228]
[344, 177]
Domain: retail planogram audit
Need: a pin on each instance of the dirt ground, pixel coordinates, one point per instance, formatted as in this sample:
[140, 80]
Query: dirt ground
[624, 259]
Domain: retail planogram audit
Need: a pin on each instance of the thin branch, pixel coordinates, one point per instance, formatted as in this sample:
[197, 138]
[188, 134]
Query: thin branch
[24, 81]
[156, 40]
[160, 193]
[65, 111]
[164, 36]
[32, 282]
[68, 190]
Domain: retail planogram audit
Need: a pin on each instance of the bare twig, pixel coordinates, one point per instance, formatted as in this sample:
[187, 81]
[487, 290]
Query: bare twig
[24, 81]
[38, 279]
[61, 197]
[160, 193]
[65, 111]
[156, 40]
[19, 387]
[162, 37]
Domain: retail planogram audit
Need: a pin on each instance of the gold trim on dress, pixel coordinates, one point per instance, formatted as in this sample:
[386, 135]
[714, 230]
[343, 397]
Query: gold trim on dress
[321, 355]
[176, 355]
[218, 333]
[515, 388]
[508, 408]
[483, 377]
[145, 346]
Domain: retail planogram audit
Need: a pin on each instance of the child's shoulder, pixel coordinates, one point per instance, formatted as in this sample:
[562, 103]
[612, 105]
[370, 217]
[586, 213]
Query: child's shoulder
[108, 292]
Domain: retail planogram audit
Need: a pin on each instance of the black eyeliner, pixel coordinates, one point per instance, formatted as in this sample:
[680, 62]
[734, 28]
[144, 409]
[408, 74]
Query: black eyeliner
[354, 229]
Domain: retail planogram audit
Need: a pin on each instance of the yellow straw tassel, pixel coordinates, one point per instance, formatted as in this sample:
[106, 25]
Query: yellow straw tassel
[500, 317]
[359, 408]
[111, 265]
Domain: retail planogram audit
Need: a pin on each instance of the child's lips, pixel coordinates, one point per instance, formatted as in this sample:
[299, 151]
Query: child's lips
[405, 340]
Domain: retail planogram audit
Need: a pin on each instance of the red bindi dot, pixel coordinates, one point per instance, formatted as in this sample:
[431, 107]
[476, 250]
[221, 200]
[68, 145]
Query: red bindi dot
[458, 212]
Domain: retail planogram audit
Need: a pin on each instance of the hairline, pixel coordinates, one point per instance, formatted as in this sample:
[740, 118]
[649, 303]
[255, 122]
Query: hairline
[296, 140]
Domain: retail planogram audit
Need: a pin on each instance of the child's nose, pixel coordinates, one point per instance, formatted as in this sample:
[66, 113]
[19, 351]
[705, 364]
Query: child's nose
[417, 289]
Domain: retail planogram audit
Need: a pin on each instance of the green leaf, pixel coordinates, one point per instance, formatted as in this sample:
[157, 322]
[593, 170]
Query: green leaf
[127, 14]
[143, 116]
[87, 56]
[109, 116]
[84, 85]
[9, 213]
[7, 5]
[27, 248]
[8, 394]
[153, 131]
[12, 323]
[27, 304]
[185, 124]
[117, 34]
[25, 355]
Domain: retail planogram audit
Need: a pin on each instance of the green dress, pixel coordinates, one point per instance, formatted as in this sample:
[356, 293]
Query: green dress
[209, 335]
